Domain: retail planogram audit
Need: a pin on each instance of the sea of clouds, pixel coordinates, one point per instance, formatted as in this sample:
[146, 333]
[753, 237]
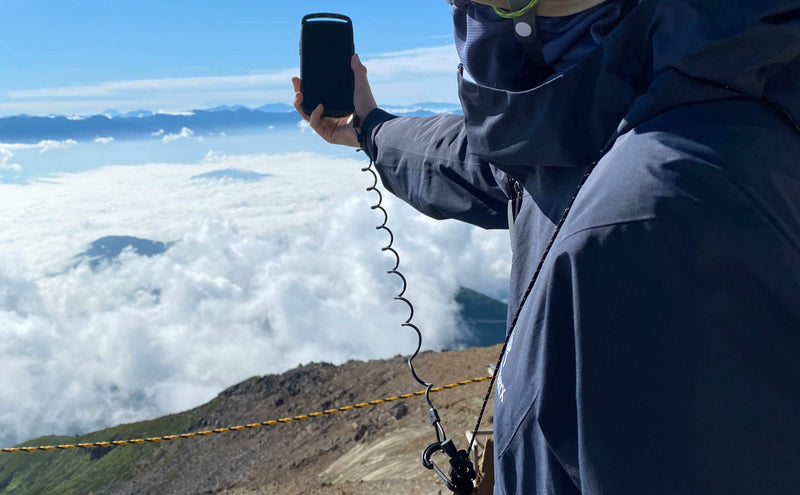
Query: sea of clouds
[263, 275]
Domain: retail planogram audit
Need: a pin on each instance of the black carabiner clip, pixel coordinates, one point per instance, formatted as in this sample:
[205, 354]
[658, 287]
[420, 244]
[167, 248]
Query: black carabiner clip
[461, 474]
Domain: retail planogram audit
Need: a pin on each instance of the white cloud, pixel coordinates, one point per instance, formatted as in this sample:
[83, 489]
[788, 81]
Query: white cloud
[115, 88]
[157, 133]
[265, 275]
[49, 144]
[165, 112]
[7, 151]
[214, 157]
[185, 133]
[5, 160]
[403, 77]
[410, 64]
[104, 140]
[18, 146]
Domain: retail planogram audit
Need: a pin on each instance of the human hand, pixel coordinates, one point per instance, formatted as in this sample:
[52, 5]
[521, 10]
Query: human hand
[339, 130]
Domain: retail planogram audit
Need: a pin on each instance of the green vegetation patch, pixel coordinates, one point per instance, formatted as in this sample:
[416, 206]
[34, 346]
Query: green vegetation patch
[83, 471]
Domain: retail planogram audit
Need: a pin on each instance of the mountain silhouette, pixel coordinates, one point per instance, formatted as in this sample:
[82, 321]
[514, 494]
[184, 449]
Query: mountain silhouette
[143, 124]
[107, 249]
[232, 174]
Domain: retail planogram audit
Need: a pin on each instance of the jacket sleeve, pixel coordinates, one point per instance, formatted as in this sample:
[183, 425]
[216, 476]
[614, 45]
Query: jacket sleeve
[426, 162]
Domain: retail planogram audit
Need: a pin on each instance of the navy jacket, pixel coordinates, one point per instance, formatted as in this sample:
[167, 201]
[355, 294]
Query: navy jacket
[659, 350]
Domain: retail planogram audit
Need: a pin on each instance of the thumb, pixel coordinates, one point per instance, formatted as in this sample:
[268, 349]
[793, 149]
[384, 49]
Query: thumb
[362, 98]
[359, 72]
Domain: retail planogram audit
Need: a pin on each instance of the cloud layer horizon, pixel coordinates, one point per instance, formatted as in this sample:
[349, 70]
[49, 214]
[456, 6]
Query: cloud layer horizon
[264, 275]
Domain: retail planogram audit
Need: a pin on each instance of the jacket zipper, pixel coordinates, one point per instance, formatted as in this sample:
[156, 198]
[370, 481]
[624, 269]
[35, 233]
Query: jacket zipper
[514, 206]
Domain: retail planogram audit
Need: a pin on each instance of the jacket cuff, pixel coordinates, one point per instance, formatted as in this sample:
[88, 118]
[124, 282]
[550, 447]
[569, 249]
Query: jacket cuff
[369, 128]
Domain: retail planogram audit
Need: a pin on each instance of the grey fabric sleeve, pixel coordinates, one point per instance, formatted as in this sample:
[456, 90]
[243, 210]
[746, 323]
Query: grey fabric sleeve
[426, 161]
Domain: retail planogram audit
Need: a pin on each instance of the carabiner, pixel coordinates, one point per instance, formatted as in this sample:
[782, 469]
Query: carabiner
[461, 474]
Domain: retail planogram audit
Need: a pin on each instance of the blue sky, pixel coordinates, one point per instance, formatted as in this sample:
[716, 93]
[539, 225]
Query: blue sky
[52, 45]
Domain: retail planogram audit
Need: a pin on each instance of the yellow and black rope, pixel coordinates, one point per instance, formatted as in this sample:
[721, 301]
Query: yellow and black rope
[272, 422]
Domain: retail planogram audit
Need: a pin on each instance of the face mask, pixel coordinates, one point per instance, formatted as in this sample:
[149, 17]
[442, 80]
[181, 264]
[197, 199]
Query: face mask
[490, 52]
[494, 57]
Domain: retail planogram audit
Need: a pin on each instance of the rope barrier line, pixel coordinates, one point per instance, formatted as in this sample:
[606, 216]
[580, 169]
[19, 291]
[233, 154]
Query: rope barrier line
[272, 422]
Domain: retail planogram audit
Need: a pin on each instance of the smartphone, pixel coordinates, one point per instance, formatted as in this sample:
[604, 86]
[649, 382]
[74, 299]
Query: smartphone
[326, 47]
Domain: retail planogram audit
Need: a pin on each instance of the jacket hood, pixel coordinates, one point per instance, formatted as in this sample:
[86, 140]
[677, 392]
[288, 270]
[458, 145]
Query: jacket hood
[663, 54]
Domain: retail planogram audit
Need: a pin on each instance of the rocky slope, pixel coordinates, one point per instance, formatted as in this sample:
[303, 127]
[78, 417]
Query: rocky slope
[371, 450]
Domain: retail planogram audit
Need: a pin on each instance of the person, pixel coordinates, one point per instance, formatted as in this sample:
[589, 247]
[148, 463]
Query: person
[654, 185]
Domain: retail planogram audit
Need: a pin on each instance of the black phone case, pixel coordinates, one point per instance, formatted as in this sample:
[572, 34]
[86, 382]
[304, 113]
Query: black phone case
[326, 47]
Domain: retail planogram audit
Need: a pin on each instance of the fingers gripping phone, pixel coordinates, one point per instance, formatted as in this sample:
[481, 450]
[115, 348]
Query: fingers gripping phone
[326, 47]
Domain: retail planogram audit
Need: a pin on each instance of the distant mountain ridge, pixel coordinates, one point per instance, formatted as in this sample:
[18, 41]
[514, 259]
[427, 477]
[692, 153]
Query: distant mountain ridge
[107, 249]
[142, 124]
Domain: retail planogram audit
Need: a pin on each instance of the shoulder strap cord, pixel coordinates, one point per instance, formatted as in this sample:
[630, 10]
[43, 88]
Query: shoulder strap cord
[529, 289]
